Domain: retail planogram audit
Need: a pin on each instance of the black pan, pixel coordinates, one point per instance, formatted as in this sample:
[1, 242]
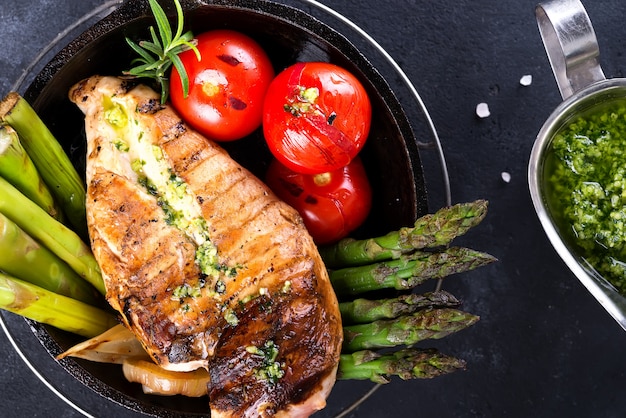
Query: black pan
[391, 154]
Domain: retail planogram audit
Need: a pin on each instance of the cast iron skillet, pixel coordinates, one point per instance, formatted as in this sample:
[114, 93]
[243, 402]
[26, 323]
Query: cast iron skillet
[288, 35]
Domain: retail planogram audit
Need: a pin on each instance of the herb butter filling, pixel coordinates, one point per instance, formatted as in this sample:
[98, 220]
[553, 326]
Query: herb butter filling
[173, 195]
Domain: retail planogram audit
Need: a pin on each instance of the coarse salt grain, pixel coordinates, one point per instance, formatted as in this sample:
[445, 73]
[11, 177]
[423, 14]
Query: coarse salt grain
[506, 177]
[526, 80]
[482, 110]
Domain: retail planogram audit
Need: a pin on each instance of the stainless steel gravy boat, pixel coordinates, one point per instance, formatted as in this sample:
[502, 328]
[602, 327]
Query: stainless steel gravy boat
[573, 52]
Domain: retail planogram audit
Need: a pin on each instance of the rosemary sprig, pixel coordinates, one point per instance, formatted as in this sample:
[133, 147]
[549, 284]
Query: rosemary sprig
[157, 56]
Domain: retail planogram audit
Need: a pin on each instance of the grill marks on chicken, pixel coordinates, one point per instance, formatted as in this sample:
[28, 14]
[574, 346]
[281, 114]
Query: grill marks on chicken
[267, 327]
[137, 247]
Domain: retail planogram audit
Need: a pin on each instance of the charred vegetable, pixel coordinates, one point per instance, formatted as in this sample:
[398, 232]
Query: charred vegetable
[408, 271]
[429, 231]
[411, 363]
[58, 238]
[41, 305]
[49, 157]
[18, 169]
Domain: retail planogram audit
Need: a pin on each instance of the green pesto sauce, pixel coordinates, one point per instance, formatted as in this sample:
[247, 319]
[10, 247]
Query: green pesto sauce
[270, 370]
[586, 183]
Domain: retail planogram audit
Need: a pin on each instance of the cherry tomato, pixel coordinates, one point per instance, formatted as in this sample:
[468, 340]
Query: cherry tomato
[226, 87]
[316, 117]
[332, 204]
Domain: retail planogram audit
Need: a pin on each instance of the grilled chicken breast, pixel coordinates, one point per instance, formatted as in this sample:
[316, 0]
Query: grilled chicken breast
[204, 264]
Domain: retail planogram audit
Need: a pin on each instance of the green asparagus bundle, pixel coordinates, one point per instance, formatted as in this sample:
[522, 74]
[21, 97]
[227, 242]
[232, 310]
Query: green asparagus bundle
[411, 363]
[21, 256]
[362, 311]
[18, 169]
[41, 305]
[58, 238]
[407, 272]
[429, 231]
[406, 330]
[49, 157]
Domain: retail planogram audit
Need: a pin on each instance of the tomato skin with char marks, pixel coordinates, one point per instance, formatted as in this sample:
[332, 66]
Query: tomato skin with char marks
[226, 87]
[316, 117]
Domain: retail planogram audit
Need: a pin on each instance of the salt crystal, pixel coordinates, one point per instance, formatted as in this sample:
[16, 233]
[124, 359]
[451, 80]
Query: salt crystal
[526, 80]
[482, 110]
[506, 177]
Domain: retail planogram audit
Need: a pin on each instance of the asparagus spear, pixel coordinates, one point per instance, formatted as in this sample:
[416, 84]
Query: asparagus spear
[361, 311]
[408, 329]
[49, 157]
[24, 258]
[43, 306]
[429, 231]
[58, 238]
[408, 271]
[18, 169]
[410, 363]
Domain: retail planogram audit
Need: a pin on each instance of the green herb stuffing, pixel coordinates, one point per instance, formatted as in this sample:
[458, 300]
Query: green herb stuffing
[587, 188]
[115, 114]
[185, 291]
[304, 102]
[270, 370]
[231, 317]
[206, 259]
[179, 204]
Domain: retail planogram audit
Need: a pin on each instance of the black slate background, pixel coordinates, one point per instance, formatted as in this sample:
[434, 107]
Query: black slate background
[544, 347]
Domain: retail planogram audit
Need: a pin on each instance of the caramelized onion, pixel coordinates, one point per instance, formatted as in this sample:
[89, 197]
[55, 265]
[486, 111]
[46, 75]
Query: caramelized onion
[158, 381]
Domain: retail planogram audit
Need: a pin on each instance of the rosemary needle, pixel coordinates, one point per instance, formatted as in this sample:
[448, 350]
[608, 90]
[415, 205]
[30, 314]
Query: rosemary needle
[158, 55]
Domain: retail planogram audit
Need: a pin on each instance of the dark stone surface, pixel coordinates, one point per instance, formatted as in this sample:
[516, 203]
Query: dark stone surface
[544, 346]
